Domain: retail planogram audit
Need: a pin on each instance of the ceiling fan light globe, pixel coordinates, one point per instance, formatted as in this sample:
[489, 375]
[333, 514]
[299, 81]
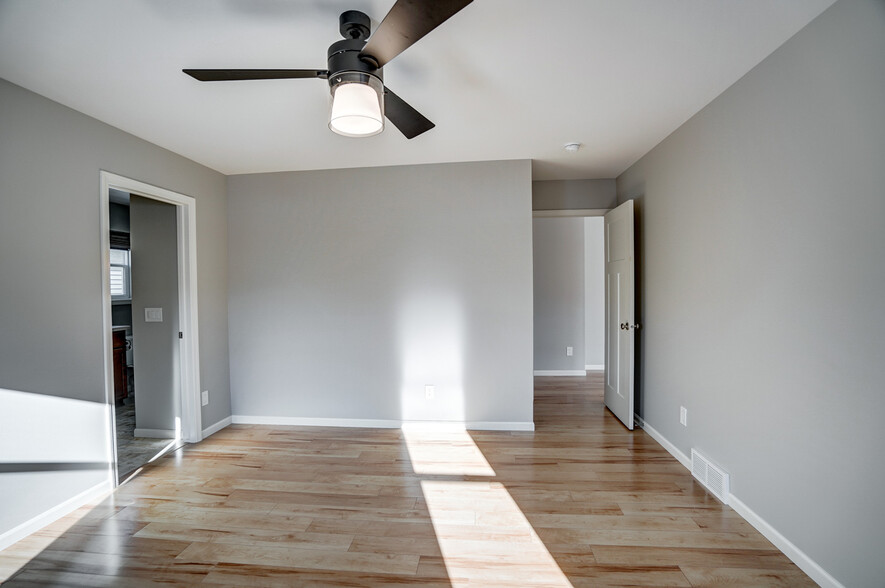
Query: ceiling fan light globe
[357, 108]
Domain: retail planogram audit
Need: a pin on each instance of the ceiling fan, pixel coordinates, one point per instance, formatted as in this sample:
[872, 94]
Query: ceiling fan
[360, 100]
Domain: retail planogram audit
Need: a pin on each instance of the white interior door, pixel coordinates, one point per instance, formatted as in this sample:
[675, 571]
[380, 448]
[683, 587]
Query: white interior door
[619, 312]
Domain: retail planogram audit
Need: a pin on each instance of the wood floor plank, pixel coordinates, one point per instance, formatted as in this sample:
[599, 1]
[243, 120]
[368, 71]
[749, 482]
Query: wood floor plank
[580, 501]
[254, 576]
[760, 559]
[294, 557]
[789, 578]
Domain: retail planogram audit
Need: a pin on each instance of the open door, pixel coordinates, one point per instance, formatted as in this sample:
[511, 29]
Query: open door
[619, 312]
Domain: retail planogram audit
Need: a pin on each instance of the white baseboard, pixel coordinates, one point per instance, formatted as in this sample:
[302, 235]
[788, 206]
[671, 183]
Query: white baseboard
[499, 426]
[33, 525]
[664, 442]
[240, 419]
[796, 555]
[155, 433]
[594, 367]
[560, 373]
[212, 429]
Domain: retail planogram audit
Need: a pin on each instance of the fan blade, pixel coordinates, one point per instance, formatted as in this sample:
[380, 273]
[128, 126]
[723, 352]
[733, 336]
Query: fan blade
[406, 23]
[409, 121]
[223, 75]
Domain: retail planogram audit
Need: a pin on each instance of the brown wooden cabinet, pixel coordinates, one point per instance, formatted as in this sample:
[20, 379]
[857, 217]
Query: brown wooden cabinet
[121, 389]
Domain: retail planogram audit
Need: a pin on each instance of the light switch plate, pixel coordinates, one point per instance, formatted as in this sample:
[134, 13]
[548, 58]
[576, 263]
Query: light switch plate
[204, 397]
[153, 315]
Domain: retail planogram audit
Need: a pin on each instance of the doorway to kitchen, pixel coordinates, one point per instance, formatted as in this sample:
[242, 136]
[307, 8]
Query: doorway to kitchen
[149, 287]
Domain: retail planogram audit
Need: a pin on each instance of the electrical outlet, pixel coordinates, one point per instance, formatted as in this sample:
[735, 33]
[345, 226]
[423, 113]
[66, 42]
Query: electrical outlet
[569, 351]
[683, 416]
[204, 397]
[429, 392]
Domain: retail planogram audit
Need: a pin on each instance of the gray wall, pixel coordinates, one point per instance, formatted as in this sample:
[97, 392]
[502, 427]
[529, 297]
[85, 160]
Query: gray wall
[558, 249]
[594, 291]
[351, 290]
[50, 292]
[573, 194]
[155, 349]
[762, 274]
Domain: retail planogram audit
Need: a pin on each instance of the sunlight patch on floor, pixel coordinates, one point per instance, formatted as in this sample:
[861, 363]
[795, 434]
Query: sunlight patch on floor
[482, 534]
[445, 451]
[507, 553]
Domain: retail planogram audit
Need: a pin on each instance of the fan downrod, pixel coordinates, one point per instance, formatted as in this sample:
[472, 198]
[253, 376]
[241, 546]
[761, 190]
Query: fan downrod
[354, 25]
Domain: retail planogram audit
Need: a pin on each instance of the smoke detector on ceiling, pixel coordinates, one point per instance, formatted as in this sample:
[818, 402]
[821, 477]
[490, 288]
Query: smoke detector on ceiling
[572, 147]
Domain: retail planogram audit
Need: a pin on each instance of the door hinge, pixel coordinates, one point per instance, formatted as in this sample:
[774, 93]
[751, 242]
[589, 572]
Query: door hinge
[180, 335]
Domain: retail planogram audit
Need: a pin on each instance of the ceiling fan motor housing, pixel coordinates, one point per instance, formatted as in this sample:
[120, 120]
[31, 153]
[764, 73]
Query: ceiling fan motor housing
[344, 56]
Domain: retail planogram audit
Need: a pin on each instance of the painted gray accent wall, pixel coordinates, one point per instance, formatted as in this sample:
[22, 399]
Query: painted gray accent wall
[594, 291]
[50, 291]
[573, 194]
[761, 267]
[155, 346]
[350, 290]
[558, 248]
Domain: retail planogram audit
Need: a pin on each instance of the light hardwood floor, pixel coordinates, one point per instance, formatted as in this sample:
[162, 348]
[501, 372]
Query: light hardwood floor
[580, 501]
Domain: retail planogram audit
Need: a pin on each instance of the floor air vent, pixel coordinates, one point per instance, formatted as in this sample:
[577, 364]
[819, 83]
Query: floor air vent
[713, 478]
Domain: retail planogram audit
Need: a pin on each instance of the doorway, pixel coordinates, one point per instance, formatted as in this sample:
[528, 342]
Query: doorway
[619, 331]
[149, 297]
[569, 301]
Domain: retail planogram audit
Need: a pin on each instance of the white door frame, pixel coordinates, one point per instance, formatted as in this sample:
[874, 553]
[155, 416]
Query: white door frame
[189, 390]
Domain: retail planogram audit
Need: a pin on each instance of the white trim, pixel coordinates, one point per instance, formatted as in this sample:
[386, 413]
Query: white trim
[33, 525]
[573, 212]
[796, 555]
[188, 401]
[560, 373]
[240, 419]
[104, 212]
[155, 433]
[663, 441]
[499, 426]
[594, 367]
[212, 429]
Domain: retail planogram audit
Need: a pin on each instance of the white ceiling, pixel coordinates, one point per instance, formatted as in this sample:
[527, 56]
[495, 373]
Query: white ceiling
[503, 79]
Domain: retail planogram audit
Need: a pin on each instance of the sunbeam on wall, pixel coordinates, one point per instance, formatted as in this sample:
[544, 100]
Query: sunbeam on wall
[431, 345]
[52, 450]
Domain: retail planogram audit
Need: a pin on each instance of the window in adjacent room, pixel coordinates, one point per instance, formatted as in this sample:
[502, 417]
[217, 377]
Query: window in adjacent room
[121, 283]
